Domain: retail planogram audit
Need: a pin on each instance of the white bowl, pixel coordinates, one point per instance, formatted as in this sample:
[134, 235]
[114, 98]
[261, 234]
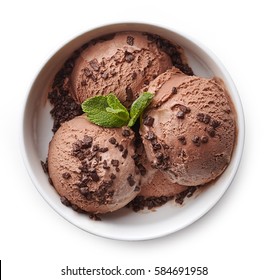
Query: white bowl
[124, 224]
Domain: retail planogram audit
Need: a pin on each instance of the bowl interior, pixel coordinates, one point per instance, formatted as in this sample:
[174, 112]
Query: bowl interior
[124, 224]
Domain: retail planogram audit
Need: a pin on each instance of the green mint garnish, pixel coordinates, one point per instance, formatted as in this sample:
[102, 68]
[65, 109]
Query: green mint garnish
[139, 106]
[108, 111]
[116, 107]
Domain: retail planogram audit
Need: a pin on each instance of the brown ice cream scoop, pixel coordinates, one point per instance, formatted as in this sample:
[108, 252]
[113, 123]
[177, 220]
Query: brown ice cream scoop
[189, 129]
[122, 64]
[161, 186]
[91, 167]
[155, 183]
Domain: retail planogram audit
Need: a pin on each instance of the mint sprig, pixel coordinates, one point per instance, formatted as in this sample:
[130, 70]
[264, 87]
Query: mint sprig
[107, 111]
[104, 113]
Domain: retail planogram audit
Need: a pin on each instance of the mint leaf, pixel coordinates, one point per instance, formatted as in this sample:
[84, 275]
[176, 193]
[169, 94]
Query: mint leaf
[139, 106]
[116, 107]
[106, 111]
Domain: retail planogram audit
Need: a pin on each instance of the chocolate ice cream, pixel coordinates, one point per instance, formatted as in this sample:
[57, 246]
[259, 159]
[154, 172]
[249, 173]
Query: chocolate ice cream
[91, 167]
[121, 63]
[189, 128]
[161, 186]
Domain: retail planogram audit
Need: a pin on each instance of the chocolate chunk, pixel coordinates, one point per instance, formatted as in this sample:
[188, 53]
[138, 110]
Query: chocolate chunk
[115, 162]
[159, 155]
[93, 77]
[112, 176]
[196, 140]
[151, 37]
[84, 179]
[120, 147]
[156, 146]
[184, 109]
[44, 166]
[65, 201]
[91, 169]
[182, 139]
[148, 121]
[81, 155]
[211, 131]
[180, 115]
[130, 40]
[126, 132]
[134, 75]
[94, 64]
[130, 180]
[150, 135]
[103, 150]
[87, 72]
[89, 195]
[200, 117]
[77, 208]
[146, 82]
[174, 90]
[94, 217]
[104, 75]
[84, 191]
[187, 193]
[66, 175]
[117, 169]
[140, 202]
[83, 83]
[159, 162]
[129, 93]
[105, 165]
[69, 64]
[94, 176]
[142, 169]
[214, 123]
[83, 168]
[95, 148]
[87, 141]
[204, 139]
[76, 147]
[124, 153]
[206, 118]
[107, 184]
[165, 146]
[112, 140]
[91, 155]
[129, 57]
[181, 153]
[149, 64]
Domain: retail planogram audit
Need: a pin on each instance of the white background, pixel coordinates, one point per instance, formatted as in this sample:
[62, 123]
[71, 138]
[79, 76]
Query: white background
[35, 242]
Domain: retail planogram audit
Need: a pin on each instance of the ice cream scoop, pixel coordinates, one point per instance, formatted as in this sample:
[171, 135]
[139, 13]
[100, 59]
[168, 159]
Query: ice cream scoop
[189, 129]
[154, 183]
[91, 167]
[161, 186]
[121, 63]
